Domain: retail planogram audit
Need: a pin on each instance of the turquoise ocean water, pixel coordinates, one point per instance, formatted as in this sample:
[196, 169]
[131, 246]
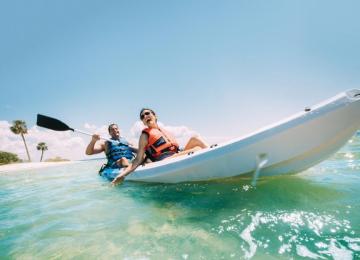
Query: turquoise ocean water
[68, 212]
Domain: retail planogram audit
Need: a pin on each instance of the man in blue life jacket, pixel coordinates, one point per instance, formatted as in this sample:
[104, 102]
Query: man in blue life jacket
[118, 151]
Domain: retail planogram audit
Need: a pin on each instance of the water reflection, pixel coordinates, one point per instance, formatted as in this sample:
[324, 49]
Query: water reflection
[70, 212]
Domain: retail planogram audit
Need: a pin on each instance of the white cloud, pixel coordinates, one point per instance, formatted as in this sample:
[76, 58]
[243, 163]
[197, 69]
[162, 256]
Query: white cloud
[135, 132]
[64, 144]
[89, 126]
[101, 130]
[72, 145]
[181, 133]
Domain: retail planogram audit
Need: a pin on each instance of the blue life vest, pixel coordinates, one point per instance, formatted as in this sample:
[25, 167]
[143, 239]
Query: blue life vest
[117, 149]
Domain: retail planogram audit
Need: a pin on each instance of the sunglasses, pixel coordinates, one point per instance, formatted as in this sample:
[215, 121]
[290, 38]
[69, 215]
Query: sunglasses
[145, 114]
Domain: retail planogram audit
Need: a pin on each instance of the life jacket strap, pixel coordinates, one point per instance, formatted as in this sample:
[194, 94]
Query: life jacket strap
[172, 148]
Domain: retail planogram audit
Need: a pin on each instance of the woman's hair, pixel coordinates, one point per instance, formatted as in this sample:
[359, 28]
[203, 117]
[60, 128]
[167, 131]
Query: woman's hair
[143, 109]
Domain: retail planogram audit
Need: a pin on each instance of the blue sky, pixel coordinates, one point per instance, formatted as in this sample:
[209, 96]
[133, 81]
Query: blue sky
[222, 68]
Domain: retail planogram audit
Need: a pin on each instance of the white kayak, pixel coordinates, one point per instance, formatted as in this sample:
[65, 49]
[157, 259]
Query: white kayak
[289, 146]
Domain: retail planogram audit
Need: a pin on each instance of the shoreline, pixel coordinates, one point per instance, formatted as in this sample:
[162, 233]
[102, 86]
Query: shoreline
[31, 165]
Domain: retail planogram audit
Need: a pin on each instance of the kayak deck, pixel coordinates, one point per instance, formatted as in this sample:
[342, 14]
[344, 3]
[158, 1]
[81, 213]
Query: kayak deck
[288, 146]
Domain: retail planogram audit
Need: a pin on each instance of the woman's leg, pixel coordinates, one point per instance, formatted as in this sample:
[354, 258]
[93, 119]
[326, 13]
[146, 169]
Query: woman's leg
[196, 148]
[195, 141]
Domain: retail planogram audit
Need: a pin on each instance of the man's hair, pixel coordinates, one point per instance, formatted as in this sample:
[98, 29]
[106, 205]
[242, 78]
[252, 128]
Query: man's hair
[109, 127]
[143, 109]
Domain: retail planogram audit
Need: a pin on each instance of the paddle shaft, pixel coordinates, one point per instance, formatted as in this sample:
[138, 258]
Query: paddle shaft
[85, 133]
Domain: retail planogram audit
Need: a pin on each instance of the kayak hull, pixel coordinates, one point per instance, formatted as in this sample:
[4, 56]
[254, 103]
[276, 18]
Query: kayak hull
[289, 146]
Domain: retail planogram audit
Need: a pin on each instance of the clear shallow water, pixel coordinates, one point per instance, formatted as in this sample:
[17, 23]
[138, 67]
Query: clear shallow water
[68, 211]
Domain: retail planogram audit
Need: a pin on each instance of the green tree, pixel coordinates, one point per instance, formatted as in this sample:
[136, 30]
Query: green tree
[6, 157]
[43, 147]
[19, 128]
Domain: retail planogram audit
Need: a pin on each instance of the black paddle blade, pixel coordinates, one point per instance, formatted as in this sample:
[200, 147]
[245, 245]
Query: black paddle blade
[52, 123]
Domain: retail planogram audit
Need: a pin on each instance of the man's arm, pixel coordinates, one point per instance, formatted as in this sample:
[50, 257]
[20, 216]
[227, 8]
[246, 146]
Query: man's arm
[95, 146]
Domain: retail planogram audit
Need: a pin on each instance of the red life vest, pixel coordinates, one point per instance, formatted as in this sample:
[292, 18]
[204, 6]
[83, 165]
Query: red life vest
[159, 142]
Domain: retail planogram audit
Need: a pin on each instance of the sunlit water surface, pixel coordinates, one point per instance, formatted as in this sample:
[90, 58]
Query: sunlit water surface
[69, 211]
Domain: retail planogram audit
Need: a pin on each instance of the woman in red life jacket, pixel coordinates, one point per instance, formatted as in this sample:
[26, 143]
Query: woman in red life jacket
[157, 144]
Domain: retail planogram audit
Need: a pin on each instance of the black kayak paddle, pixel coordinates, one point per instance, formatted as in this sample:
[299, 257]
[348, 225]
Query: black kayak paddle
[57, 125]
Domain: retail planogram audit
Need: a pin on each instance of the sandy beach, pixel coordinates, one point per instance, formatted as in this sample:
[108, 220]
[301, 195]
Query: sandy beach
[31, 165]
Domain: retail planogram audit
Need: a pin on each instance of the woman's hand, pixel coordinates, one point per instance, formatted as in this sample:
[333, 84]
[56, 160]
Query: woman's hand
[137, 161]
[119, 179]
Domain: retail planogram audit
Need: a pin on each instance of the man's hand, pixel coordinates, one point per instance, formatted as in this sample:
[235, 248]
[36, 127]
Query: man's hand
[95, 138]
[94, 146]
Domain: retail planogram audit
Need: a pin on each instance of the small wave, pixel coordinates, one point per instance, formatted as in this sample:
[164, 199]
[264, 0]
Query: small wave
[305, 234]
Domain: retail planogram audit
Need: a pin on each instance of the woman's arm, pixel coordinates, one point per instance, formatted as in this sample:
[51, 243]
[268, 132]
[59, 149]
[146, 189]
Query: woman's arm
[137, 161]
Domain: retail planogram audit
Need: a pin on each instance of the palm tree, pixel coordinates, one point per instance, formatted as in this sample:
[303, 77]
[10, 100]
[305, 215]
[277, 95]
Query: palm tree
[43, 147]
[19, 128]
